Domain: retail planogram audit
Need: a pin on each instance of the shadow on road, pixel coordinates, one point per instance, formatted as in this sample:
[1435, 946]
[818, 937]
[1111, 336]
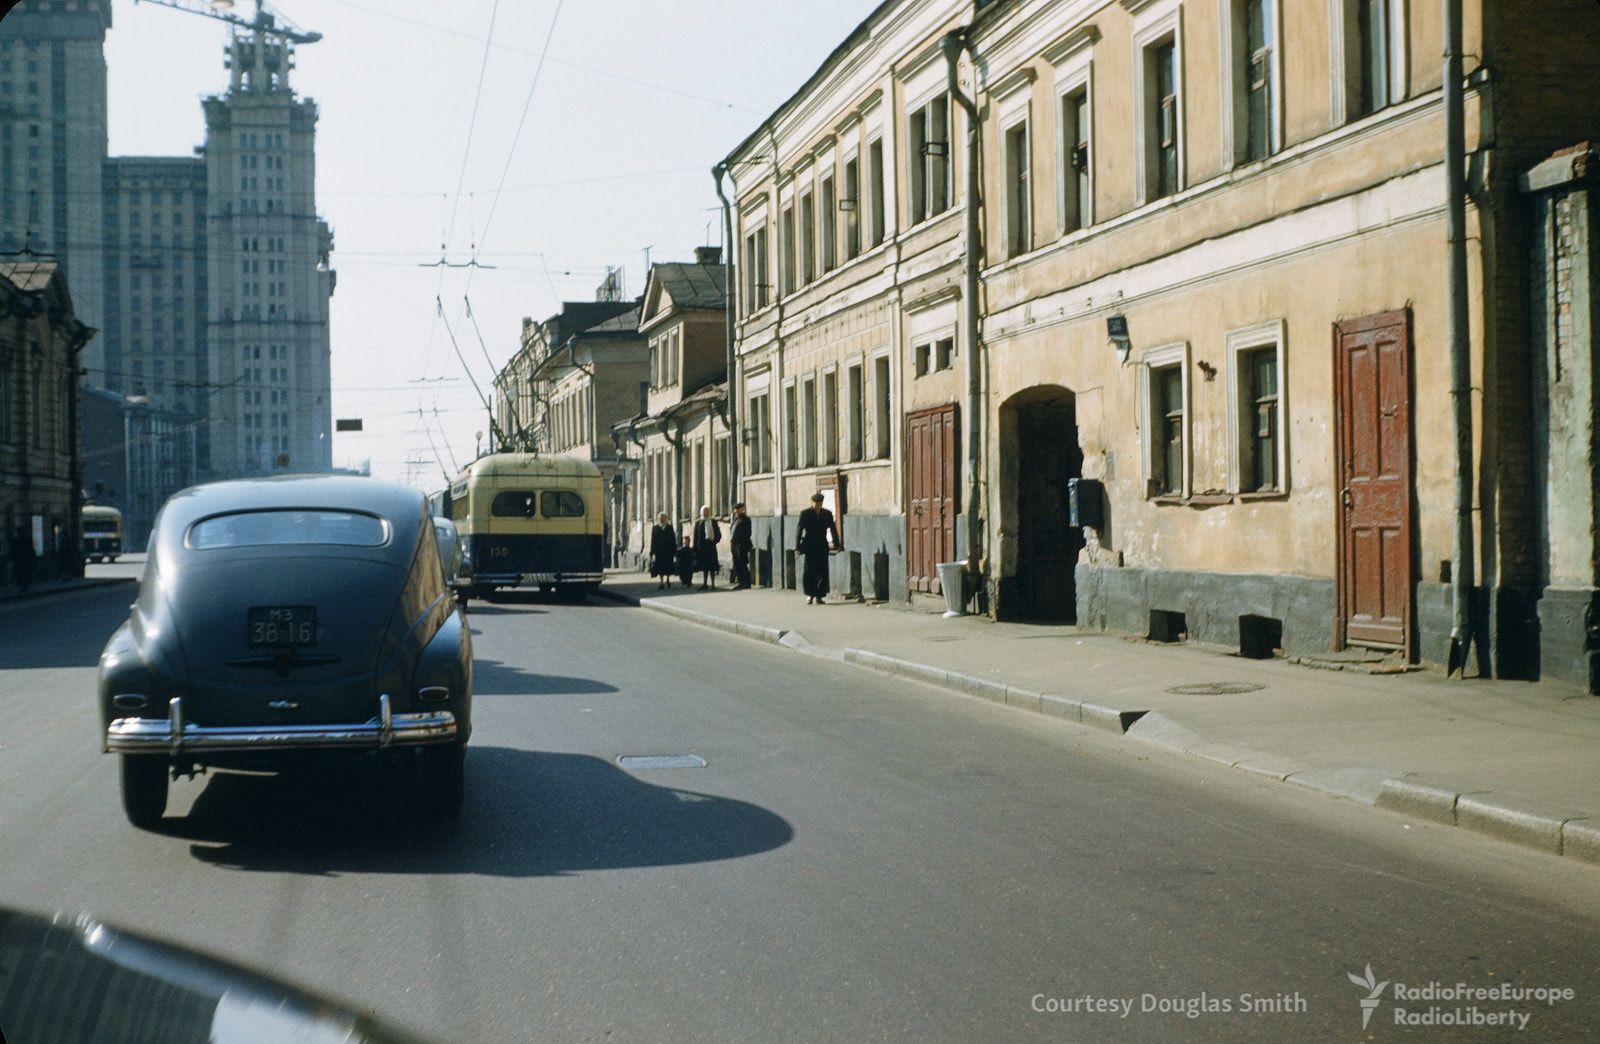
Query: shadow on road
[63, 630]
[496, 678]
[527, 814]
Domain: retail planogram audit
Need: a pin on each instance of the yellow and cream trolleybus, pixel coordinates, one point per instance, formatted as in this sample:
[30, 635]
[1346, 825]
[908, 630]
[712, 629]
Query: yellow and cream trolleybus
[531, 520]
[102, 533]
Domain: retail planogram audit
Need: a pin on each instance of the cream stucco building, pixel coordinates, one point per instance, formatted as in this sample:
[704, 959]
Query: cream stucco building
[1212, 305]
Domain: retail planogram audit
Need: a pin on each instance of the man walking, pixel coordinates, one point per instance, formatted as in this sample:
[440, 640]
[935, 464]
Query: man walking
[816, 537]
[740, 546]
[22, 557]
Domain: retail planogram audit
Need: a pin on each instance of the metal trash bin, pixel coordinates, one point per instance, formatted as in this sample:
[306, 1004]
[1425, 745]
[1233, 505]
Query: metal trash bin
[952, 580]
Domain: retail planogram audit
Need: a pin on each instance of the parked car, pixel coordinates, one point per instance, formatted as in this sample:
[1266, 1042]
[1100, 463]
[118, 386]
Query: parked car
[287, 617]
[453, 553]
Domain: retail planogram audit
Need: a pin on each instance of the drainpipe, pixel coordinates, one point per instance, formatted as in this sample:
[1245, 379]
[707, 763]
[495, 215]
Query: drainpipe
[1461, 549]
[952, 45]
[729, 299]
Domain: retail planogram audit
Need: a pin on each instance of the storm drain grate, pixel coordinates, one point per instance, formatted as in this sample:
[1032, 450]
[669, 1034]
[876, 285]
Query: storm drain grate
[1214, 688]
[660, 761]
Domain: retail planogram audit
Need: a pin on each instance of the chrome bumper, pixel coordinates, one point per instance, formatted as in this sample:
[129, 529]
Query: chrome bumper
[174, 736]
[514, 579]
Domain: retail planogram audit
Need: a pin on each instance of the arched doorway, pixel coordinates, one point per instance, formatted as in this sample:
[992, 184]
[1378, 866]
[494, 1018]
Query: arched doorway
[1039, 430]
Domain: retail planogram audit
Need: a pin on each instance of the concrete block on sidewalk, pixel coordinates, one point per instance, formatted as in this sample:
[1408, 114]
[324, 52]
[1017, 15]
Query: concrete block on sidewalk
[1418, 799]
[1520, 822]
[1109, 718]
[1161, 730]
[1060, 707]
[1580, 839]
[1357, 784]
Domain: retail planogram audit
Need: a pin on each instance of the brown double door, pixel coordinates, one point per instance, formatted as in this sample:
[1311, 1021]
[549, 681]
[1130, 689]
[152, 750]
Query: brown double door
[931, 497]
[1372, 375]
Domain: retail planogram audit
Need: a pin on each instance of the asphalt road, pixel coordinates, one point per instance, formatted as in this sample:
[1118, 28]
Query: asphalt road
[861, 858]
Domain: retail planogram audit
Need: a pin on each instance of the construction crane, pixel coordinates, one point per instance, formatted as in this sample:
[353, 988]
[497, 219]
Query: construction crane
[269, 21]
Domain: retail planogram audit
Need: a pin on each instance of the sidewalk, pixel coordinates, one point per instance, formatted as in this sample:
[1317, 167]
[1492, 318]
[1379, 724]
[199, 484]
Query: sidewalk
[1515, 760]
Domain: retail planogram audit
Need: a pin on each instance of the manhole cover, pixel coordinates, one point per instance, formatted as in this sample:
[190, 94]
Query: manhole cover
[660, 761]
[1214, 688]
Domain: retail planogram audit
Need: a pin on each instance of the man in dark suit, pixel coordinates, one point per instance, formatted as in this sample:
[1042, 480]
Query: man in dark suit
[740, 545]
[817, 536]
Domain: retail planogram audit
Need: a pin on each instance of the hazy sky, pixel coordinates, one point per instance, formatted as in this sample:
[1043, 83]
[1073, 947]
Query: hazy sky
[636, 100]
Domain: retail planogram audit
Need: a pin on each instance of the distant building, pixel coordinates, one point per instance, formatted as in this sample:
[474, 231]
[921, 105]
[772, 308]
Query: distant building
[41, 341]
[155, 293]
[575, 375]
[52, 141]
[677, 447]
[270, 278]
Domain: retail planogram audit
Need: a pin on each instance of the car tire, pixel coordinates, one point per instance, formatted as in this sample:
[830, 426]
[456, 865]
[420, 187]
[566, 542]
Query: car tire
[441, 779]
[144, 789]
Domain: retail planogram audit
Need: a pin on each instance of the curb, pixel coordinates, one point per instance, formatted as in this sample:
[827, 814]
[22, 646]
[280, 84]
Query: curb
[1556, 831]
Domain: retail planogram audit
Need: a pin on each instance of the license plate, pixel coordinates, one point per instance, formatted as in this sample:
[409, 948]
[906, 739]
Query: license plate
[281, 625]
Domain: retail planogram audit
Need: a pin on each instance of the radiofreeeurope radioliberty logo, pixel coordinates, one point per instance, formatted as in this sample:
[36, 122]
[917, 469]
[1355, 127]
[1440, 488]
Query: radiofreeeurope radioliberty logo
[1374, 988]
[1501, 1005]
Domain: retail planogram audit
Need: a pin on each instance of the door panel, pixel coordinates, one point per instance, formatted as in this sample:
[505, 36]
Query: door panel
[1047, 441]
[930, 495]
[1372, 371]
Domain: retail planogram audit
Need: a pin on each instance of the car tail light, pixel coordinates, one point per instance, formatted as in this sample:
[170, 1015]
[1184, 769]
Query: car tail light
[129, 701]
[433, 694]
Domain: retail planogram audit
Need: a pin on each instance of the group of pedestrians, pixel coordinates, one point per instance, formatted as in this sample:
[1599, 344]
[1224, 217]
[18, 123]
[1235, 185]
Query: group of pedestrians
[817, 535]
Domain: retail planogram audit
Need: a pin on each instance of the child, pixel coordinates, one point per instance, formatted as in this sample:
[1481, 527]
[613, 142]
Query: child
[686, 563]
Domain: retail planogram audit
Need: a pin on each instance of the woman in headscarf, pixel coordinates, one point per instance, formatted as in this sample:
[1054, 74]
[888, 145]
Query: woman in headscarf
[663, 551]
[707, 535]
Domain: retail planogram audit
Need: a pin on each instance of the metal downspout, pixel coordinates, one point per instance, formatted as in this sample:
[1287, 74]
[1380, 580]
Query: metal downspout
[952, 45]
[1461, 549]
[729, 300]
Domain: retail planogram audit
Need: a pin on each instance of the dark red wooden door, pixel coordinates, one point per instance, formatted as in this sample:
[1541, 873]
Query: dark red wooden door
[930, 495]
[1372, 371]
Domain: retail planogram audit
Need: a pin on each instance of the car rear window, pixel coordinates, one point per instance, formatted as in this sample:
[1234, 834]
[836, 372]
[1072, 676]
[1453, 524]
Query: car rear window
[303, 526]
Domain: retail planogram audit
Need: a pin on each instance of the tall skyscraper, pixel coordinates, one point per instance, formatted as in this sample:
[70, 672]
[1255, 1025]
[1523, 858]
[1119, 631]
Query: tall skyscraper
[52, 142]
[270, 279]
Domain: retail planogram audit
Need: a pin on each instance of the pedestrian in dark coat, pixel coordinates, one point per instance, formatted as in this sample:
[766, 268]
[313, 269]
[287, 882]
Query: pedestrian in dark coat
[707, 535]
[816, 537]
[740, 546]
[686, 563]
[22, 557]
[663, 551]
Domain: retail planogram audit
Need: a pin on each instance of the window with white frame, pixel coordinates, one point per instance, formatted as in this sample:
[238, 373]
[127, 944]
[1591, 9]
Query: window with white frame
[856, 419]
[928, 159]
[756, 283]
[1018, 212]
[1368, 51]
[1077, 199]
[882, 416]
[850, 207]
[1161, 64]
[877, 210]
[786, 257]
[1251, 81]
[1258, 457]
[830, 417]
[1164, 405]
[809, 433]
[791, 428]
[758, 434]
[828, 221]
[922, 358]
[808, 238]
[1159, 112]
